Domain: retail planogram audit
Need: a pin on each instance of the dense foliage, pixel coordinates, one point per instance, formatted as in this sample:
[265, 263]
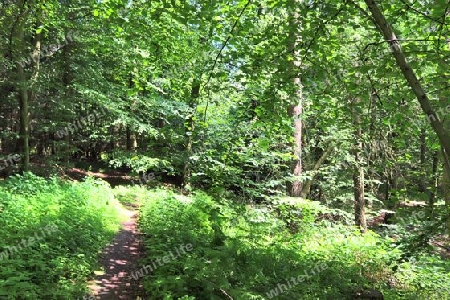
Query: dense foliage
[245, 252]
[340, 102]
[203, 92]
[50, 234]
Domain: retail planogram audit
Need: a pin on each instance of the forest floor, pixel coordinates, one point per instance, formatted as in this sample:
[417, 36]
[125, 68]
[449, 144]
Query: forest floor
[114, 178]
[120, 260]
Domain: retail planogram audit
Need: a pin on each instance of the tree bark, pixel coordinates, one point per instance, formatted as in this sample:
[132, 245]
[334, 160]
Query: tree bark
[190, 127]
[67, 81]
[358, 183]
[358, 175]
[26, 83]
[131, 139]
[22, 87]
[446, 191]
[433, 185]
[24, 120]
[294, 40]
[423, 169]
[446, 169]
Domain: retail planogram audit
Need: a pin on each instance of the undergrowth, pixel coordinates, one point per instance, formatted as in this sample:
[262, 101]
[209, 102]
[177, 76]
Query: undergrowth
[198, 247]
[50, 235]
[247, 252]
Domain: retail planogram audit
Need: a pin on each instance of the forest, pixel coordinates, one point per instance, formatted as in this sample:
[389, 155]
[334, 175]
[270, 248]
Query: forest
[193, 149]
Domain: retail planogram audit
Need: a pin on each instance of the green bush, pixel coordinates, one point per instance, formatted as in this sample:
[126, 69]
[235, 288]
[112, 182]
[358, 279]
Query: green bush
[55, 265]
[246, 252]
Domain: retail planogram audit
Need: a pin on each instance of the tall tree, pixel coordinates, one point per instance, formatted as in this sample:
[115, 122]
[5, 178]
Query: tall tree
[25, 83]
[410, 76]
[358, 172]
[190, 127]
[296, 105]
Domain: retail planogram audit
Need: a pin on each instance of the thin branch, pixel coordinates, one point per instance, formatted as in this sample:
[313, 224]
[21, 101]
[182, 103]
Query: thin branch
[225, 43]
[400, 40]
[422, 13]
[323, 26]
[226, 294]
[441, 26]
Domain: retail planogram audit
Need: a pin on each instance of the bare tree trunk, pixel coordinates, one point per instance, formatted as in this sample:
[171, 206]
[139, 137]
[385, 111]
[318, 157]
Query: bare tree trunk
[67, 80]
[433, 185]
[358, 175]
[26, 85]
[294, 40]
[423, 171]
[446, 190]
[18, 37]
[131, 139]
[358, 182]
[24, 121]
[446, 169]
[295, 187]
[112, 143]
[190, 127]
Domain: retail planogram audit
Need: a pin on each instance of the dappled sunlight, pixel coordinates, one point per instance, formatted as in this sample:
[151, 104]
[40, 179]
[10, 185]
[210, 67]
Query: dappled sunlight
[209, 150]
[119, 259]
[85, 215]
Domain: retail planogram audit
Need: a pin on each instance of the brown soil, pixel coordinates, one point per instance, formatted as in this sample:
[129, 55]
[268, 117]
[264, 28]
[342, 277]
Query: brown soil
[114, 178]
[120, 259]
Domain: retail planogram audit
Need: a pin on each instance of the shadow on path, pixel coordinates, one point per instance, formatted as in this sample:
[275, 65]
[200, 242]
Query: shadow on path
[120, 259]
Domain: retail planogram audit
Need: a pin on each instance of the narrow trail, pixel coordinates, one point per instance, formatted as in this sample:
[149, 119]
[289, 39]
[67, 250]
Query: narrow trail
[120, 259]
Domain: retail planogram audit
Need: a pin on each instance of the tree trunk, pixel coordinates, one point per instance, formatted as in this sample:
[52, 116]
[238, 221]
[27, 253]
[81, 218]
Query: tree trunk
[358, 175]
[423, 169]
[22, 87]
[294, 40]
[24, 121]
[131, 139]
[358, 183]
[446, 169]
[446, 191]
[433, 186]
[26, 85]
[411, 77]
[67, 81]
[190, 127]
[307, 186]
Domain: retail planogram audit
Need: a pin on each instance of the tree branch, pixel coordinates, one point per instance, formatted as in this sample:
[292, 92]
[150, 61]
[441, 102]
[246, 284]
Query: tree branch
[225, 44]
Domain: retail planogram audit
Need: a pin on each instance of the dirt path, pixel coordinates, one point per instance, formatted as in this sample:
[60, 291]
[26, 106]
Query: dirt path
[120, 259]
